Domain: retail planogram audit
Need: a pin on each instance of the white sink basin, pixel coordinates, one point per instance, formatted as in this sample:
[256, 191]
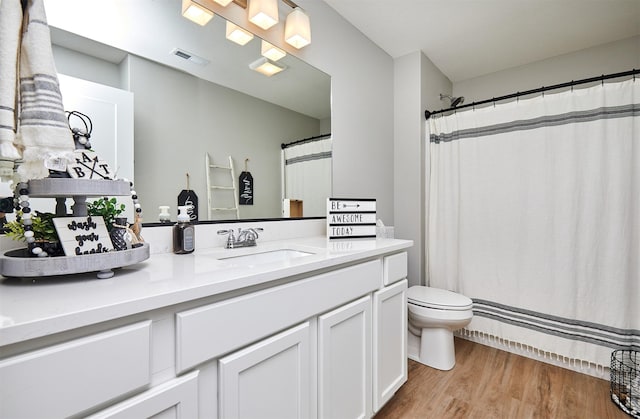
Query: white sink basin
[269, 256]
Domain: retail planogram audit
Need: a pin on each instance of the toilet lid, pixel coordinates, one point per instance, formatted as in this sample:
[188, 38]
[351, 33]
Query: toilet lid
[438, 298]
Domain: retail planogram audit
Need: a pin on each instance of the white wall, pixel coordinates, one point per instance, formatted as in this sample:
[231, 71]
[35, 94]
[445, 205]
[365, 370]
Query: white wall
[408, 181]
[362, 107]
[86, 67]
[417, 85]
[609, 58]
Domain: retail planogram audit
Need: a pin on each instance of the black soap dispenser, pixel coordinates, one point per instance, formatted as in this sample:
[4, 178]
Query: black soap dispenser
[184, 234]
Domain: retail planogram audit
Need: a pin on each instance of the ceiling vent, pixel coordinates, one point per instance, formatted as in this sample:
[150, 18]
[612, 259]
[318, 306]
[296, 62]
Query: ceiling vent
[189, 56]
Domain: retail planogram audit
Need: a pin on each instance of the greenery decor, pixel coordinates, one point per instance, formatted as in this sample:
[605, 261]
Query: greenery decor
[109, 209]
[41, 222]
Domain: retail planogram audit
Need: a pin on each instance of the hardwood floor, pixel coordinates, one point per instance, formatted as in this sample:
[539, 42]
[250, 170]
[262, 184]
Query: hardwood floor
[490, 383]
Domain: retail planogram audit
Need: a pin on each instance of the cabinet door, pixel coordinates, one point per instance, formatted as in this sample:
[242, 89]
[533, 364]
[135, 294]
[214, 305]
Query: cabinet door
[270, 379]
[389, 342]
[344, 361]
[176, 399]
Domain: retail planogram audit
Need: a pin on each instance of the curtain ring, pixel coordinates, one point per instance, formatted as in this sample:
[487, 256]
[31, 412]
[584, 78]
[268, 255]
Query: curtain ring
[602, 80]
[572, 84]
[542, 91]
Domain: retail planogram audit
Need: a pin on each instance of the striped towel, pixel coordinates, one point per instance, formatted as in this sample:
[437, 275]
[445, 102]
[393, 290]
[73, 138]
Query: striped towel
[10, 27]
[43, 131]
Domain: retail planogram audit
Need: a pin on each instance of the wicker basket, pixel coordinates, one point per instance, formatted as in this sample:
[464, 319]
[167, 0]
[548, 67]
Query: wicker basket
[625, 381]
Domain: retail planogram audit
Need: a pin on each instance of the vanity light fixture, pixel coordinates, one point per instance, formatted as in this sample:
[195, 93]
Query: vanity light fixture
[267, 67]
[263, 13]
[196, 13]
[297, 28]
[238, 35]
[271, 51]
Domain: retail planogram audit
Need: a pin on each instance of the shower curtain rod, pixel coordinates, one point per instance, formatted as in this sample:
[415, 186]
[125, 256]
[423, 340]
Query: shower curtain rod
[304, 140]
[427, 113]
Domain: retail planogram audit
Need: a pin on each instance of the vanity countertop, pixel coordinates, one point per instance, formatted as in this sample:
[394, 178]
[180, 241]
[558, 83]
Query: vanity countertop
[32, 308]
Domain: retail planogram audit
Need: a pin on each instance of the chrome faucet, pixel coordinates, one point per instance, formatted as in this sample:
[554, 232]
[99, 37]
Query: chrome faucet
[244, 238]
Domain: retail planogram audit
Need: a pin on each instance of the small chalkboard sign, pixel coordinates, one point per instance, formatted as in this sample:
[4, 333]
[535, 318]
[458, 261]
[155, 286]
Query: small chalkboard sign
[188, 198]
[83, 235]
[351, 218]
[245, 192]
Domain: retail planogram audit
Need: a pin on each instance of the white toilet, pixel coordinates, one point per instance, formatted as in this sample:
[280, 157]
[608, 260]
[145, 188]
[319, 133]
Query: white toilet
[433, 316]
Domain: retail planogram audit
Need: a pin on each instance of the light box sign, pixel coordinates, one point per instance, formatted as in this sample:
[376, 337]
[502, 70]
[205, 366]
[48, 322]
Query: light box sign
[351, 218]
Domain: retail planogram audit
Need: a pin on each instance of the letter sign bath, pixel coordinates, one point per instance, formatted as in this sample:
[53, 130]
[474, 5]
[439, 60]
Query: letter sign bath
[87, 165]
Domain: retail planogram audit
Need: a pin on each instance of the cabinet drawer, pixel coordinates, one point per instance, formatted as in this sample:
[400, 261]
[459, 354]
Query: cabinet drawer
[206, 332]
[71, 377]
[395, 268]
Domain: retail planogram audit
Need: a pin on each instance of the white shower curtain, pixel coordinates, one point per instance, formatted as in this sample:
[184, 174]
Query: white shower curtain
[534, 213]
[307, 174]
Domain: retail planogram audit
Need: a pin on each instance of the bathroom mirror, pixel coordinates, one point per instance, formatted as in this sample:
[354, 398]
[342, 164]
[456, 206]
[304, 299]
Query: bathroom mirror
[185, 108]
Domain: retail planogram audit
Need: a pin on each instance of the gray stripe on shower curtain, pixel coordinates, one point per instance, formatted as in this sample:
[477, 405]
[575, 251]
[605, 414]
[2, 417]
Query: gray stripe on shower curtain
[594, 333]
[544, 121]
[309, 157]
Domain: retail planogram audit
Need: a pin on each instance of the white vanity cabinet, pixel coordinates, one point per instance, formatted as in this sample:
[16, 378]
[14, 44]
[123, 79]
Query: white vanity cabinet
[266, 346]
[323, 343]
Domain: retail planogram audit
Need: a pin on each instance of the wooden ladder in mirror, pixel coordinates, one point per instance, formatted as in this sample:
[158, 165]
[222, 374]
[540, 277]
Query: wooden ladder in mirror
[219, 189]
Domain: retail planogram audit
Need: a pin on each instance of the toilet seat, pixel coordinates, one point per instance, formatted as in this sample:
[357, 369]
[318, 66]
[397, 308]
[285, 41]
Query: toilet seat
[438, 299]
